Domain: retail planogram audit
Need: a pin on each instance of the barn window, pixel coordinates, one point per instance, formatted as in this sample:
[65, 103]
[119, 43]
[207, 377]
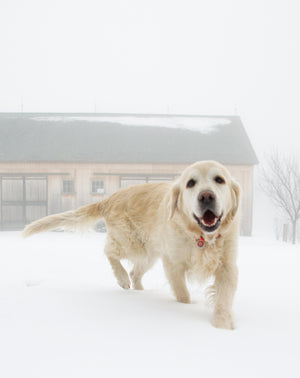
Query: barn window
[68, 186]
[98, 187]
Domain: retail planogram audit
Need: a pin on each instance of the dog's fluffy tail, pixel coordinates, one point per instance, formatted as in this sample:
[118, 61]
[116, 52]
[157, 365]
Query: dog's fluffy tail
[79, 220]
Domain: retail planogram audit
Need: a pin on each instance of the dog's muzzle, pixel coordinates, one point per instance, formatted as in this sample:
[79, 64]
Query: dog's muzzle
[209, 221]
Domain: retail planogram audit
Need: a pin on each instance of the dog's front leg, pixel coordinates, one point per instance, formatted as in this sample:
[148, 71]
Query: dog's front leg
[176, 277]
[225, 287]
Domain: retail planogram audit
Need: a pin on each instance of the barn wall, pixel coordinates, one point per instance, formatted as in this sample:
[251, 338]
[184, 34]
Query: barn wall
[84, 174]
[244, 176]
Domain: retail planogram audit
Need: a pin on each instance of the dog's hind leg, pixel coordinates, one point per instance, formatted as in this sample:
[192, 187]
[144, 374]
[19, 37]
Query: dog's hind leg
[139, 269]
[113, 254]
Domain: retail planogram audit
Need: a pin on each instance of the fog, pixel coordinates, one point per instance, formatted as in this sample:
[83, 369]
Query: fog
[174, 57]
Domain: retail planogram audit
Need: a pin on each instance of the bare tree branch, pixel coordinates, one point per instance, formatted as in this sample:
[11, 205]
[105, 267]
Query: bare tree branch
[280, 180]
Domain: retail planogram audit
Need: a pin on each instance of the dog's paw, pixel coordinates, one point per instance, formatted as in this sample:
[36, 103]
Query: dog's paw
[138, 286]
[184, 299]
[222, 320]
[124, 282]
[136, 281]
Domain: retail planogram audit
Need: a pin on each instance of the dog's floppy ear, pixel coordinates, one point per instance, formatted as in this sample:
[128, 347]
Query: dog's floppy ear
[173, 199]
[236, 194]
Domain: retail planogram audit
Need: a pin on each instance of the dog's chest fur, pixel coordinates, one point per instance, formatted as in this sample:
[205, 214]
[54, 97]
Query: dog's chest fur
[203, 262]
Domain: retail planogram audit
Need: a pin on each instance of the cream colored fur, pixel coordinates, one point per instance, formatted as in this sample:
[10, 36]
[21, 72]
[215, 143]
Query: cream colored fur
[150, 221]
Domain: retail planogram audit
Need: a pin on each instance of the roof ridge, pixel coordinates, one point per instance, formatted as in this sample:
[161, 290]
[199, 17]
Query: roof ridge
[25, 114]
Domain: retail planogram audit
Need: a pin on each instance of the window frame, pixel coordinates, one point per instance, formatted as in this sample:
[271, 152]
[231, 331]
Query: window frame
[93, 192]
[64, 181]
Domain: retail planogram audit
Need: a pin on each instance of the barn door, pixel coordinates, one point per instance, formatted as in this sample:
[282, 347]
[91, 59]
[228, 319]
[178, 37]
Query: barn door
[23, 199]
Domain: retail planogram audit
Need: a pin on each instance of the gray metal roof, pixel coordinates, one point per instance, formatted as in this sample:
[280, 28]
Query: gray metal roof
[123, 138]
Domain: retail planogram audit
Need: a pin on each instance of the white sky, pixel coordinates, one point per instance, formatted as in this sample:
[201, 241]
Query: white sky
[167, 56]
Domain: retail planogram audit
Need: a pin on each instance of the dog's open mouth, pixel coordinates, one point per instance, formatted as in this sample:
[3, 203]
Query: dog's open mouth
[209, 222]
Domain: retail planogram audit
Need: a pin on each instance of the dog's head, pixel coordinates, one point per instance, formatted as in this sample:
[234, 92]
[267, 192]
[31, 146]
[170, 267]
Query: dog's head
[206, 195]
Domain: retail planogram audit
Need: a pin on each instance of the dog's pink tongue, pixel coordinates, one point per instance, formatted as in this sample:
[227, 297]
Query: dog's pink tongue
[209, 217]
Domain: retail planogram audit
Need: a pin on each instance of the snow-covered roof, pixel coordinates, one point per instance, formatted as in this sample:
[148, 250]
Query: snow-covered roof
[123, 138]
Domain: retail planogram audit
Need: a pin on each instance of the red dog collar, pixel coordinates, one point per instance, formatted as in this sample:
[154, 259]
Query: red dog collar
[201, 241]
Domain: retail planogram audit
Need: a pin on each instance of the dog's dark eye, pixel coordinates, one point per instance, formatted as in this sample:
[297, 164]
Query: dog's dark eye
[191, 183]
[219, 180]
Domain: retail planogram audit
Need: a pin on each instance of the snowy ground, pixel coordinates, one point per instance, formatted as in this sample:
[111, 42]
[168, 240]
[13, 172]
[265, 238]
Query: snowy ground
[62, 315]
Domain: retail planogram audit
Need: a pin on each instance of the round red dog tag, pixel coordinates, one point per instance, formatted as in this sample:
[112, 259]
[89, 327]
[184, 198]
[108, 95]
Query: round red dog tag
[200, 243]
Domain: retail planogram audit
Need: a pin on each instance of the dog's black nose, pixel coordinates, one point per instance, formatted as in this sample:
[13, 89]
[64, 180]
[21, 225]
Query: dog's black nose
[207, 197]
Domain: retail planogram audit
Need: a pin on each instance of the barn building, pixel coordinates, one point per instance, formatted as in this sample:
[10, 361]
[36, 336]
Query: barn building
[56, 162]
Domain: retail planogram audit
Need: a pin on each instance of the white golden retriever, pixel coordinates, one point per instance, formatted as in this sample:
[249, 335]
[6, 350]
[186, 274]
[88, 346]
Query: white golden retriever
[192, 224]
